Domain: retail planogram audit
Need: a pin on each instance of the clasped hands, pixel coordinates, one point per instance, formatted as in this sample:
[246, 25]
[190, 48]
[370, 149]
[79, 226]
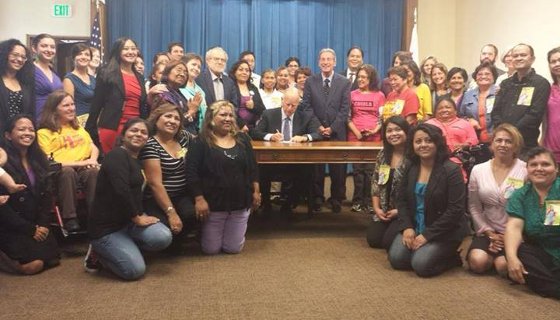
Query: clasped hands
[325, 132]
[413, 241]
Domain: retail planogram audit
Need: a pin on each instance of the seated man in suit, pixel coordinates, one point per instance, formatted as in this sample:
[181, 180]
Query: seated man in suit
[284, 124]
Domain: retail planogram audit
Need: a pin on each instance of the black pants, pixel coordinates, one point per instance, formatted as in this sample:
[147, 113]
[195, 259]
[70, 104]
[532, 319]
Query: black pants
[294, 180]
[337, 172]
[184, 207]
[381, 234]
[362, 173]
[543, 276]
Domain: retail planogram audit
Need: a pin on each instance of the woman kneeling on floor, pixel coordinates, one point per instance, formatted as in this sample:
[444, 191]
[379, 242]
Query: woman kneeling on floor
[118, 232]
[222, 175]
[532, 238]
[431, 207]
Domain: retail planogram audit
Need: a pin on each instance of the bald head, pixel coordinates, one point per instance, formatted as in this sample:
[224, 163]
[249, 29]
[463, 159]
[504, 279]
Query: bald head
[290, 101]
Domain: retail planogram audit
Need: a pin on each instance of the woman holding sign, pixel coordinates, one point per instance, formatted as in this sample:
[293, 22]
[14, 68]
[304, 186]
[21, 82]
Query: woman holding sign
[491, 184]
[532, 242]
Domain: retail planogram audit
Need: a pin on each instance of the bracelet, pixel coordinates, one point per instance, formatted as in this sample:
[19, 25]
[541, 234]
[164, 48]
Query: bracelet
[169, 209]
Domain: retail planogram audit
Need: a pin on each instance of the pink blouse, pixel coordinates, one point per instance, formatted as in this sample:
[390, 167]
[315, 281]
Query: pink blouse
[487, 199]
[552, 134]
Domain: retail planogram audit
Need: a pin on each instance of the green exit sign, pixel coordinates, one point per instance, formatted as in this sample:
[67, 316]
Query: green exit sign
[62, 10]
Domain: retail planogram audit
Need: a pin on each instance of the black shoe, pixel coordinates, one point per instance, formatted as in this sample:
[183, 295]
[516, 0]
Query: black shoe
[91, 261]
[72, 225]
[336, 207]
[286, 209]
[317, 205]
[266, 208]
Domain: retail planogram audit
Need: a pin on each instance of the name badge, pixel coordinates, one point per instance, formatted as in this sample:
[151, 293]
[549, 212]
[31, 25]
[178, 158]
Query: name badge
[398, 107]
[490, 104]
[384, 172]
[552, 213]
[181, 153]
[512, 184]
[526, 96]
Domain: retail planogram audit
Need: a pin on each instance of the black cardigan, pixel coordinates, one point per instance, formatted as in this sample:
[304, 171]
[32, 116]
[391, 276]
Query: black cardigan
[206, 176]
[444, 202]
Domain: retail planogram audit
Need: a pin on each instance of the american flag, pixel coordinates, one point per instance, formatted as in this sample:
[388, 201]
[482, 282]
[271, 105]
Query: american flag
[95, 37]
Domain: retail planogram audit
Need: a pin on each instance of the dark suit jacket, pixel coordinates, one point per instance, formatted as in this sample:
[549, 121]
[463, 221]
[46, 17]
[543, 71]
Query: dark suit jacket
[355, 83]
[107, 104]
[271, 121]
[205, 82]
[444, 202]
[28, 103]
[27, 208]
[332, 110]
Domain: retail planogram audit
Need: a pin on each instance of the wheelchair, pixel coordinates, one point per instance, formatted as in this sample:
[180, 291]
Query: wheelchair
[81, 210]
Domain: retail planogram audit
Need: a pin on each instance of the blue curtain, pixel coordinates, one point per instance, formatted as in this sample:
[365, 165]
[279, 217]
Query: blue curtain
[273, 29]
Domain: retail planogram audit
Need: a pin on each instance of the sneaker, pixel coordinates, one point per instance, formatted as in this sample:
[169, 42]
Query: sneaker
[91, 261]
[356, 207]
[370, 210]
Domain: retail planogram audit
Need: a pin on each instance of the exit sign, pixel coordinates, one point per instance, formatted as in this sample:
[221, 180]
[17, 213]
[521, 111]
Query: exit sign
[62, 10]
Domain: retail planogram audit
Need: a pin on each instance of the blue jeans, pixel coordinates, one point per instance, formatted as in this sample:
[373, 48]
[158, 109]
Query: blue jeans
[429, 260]
[120, 251]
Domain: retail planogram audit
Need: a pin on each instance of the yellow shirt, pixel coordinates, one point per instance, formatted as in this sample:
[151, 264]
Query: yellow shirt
[67, 145]
[425, 97]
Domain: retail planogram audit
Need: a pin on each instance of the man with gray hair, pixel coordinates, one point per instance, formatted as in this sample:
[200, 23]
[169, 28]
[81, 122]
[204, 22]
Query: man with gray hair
[327, 96]
[214, 82]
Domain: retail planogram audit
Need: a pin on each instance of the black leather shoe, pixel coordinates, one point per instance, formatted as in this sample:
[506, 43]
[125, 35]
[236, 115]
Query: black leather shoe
[317, 205]
[72, 225]
[336, 207]
[286, 209]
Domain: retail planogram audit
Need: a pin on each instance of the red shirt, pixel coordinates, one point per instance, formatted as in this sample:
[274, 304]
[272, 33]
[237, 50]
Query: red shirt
[132, 94]
[405, 104]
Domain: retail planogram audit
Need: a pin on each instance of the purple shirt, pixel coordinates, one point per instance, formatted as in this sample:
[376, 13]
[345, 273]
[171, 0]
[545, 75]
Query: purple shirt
[44, 87]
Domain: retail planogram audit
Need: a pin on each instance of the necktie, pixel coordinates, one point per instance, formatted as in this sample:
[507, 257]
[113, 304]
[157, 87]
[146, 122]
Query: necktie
[219, 88]
[286, 129]
[326, 87]
[351, 78]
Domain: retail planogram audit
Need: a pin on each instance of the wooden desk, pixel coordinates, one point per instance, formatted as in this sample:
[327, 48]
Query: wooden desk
[316, 152]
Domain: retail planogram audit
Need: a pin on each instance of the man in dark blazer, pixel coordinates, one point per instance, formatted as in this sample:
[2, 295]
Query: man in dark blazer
[214, 82]
[284, 124]
[354, 60]
[327, 96]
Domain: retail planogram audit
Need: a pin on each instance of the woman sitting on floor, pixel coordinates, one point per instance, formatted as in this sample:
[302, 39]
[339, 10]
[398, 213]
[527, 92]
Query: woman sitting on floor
[490, 185]
[532, 238]
[431, 207]
[117, 232]
[62, 138]
[25, 238]
[385, 183]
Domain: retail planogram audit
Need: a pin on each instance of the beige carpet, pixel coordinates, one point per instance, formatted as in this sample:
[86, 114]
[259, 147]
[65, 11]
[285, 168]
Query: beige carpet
[299, 268]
